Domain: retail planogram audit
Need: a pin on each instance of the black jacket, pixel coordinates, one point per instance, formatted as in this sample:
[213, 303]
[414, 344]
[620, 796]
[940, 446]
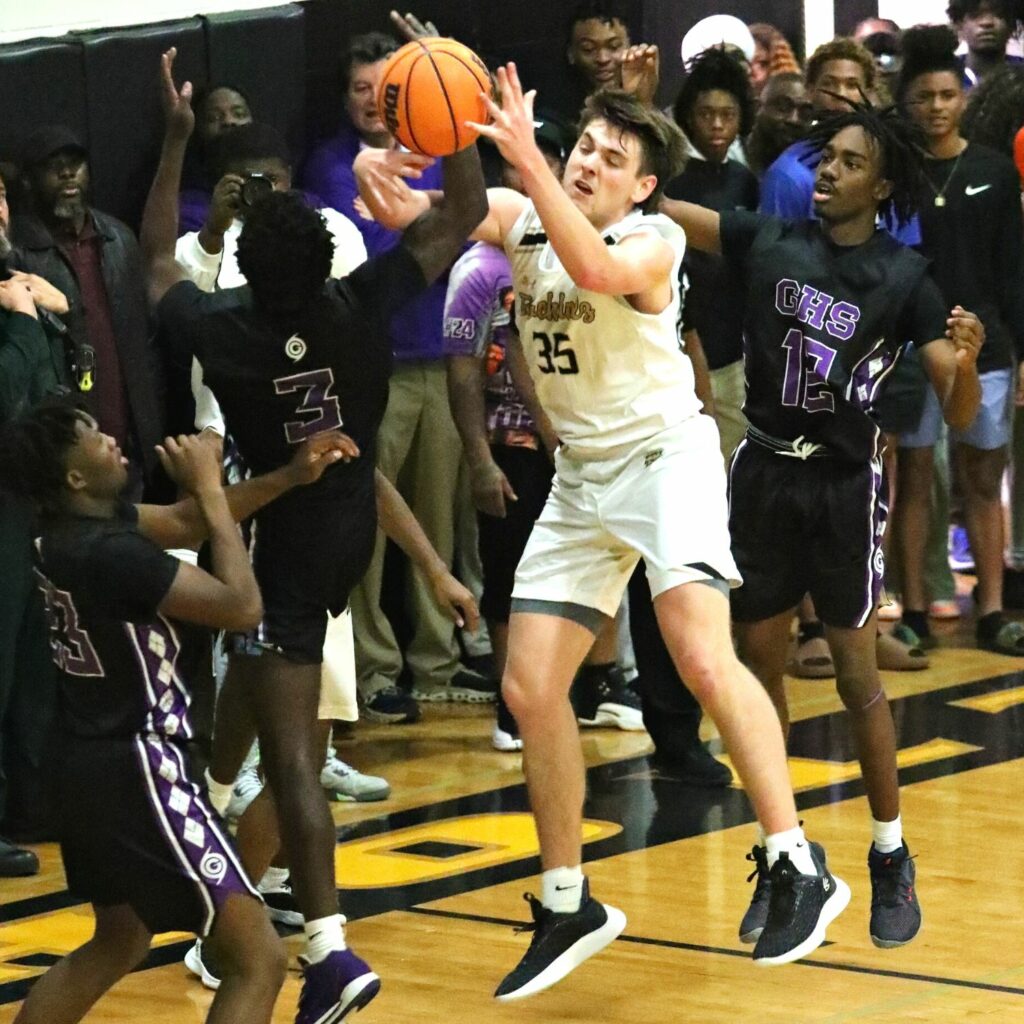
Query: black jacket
[37, 252]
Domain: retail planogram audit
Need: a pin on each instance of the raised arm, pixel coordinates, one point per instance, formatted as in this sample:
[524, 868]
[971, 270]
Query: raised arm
[159, 229]
[638, 264]
[951, 365]
[702, 226]
[183, 524]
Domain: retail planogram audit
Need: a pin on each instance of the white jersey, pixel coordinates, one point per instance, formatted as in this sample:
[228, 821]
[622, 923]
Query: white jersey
[606, 374]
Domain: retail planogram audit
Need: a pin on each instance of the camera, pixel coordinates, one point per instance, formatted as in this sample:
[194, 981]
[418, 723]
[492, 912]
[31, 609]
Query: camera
[255, 187]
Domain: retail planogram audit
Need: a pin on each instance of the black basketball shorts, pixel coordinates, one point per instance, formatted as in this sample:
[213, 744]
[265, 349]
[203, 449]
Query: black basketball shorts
[806, 526]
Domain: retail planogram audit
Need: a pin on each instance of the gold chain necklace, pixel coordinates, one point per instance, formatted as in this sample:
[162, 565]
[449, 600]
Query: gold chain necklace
[940, 193]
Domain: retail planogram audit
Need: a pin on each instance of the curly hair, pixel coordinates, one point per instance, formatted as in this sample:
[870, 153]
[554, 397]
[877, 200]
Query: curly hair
[604, 11]
[716, 69]
[995, 109]
[927, 49]
[34, 449]
[1008, 10]
[841, 48]
[284, 251]
[902, 146]
[255, 141]
[662, 144]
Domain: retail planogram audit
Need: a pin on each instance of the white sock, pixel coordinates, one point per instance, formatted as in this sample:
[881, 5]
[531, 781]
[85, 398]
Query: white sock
[273, 879]
[888, 835]
[561, 889]
[323, 936]
[220, 794]
[760, 835]
[794, 844]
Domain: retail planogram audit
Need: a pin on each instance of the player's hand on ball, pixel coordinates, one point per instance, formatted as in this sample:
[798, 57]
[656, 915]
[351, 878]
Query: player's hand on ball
[192, 463]
[640, 71]
[380, 175]
[490, 489]
[410, 27]
[511, 127]
[967, 333]
[316, 453]
[455, 601]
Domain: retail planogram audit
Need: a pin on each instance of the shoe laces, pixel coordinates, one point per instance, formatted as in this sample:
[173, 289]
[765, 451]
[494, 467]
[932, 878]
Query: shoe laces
[539, 913]
[783, 877]
[889, 887]
[758, 856]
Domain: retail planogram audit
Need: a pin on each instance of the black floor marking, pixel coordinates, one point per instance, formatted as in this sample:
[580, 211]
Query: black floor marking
[696, 947]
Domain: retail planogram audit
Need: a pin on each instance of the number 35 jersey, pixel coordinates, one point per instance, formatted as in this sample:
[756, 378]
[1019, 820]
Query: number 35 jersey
[824, 326]
[606, 374]
[283, 378]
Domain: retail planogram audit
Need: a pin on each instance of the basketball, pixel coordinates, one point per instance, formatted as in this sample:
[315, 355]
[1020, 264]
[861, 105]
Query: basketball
[429, 90]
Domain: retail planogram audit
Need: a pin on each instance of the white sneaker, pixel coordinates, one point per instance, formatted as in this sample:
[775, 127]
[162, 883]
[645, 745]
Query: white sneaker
[281, 905]
[348, 785]
[247, 787]
[194, 963]
[505, 741]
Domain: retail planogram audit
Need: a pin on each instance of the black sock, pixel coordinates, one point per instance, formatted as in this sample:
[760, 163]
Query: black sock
[917, 621]
[593, 673]
[809, 631]
[989, 625]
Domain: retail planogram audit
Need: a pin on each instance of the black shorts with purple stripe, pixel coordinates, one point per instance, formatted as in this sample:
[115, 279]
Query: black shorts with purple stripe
[136, 830]
[806, 526]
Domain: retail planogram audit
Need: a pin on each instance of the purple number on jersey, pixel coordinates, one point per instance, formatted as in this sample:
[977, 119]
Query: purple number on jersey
[317, 399]
[72, 649]
[808, 363]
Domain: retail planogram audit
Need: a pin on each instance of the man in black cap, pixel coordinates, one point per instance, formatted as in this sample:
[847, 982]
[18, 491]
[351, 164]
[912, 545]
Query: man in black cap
[94, 260]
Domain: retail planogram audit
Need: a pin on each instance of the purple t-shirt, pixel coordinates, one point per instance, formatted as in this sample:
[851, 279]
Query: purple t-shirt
[477, 322]
[415, 327]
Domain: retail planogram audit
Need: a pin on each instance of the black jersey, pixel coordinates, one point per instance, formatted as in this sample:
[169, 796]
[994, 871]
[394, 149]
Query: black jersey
[281, 379]
[823, 327]
[120, 660]
[974, 238]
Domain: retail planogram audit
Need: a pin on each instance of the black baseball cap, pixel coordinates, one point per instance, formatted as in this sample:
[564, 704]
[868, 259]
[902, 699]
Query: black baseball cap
[50, 139]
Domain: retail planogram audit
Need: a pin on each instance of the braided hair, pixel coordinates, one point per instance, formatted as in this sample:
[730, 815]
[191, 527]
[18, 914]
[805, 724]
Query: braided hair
[901, 144]
[715, 69]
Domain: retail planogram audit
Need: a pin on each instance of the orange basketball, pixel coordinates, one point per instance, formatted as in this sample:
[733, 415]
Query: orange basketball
[429, 90]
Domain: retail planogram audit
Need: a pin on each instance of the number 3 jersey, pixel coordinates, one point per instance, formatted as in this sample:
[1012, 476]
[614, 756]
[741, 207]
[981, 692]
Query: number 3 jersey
[283, 378]
[606, 374]
[824, 326]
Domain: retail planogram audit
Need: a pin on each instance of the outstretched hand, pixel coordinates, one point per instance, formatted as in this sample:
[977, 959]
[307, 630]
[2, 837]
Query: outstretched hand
[967, 333]
[640, 71]
[511, 127]
[179, 118]
[410, 27]
[380, 175]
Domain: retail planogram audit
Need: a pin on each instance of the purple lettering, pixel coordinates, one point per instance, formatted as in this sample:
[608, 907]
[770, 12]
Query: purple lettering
[317, 400]
[843, 320]
[813, 307]
[787, 293]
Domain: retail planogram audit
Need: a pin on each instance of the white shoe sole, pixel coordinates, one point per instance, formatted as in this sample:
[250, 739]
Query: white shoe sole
[890, 944]
[194, 964]
[505, 742]
[289, 918]
[616, 716]
[576, 954]
[354, 996]
[454, 695]
[834, 906]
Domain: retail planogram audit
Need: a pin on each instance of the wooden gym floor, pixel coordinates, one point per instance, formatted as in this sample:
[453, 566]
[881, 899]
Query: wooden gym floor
[433, 878]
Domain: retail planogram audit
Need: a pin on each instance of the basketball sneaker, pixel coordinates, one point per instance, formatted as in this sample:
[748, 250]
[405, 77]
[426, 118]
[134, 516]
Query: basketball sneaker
[757, 913]
[560, 943]
[282, 907]
[199, 963]
[505, 736]
[895, 911]
[604, 698]
[334, 987]
[350, 786]
[466, 686]
[800, 908]
[392, 705]
[248, 785]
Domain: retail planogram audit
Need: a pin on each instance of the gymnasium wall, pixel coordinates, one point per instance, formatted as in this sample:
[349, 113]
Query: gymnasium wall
[102, 81]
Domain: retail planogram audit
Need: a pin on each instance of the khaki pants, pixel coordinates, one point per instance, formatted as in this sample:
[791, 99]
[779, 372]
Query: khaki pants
[418, 445]
[729, 391]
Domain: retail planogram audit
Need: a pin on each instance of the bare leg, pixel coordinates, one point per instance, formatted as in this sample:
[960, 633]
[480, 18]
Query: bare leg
[762, 647]
[234, 726]
[981, 475]
[252, 961]
[68, 990]
[544, 653]
[910, 524]
[860, 689]
[694, 620]
[605, 648]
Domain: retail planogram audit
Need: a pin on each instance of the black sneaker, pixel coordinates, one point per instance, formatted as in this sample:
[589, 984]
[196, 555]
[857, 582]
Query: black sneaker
[391, 705]
[800, 908]
[282, 907]
[757, 913]
[561, 942]
[694, 765]
[602, 697]
[895, 912]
